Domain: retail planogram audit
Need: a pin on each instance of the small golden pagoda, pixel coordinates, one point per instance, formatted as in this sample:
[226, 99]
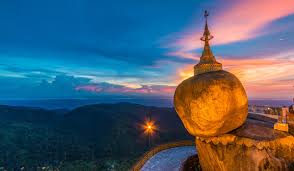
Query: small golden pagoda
[207, 61]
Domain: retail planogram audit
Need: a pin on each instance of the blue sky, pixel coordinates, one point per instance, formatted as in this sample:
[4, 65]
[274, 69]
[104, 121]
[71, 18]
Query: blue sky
[87, 48]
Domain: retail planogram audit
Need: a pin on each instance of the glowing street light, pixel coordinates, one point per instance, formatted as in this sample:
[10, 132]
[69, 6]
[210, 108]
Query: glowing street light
[149, 128]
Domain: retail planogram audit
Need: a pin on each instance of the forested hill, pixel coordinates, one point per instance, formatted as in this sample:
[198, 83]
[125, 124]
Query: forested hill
[27, 114]
[93, 136]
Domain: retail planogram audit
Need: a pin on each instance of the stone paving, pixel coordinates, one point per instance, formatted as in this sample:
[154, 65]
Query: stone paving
[169, 160]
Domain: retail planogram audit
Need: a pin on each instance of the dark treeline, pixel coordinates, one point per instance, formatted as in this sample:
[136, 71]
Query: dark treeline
[93, 137]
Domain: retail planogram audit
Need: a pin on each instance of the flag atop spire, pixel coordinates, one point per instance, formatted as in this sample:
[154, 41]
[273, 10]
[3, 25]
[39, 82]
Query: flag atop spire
[207, 61]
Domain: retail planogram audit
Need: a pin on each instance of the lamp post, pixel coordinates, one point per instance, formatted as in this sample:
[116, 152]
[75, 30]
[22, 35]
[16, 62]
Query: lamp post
[149, 128]
[149, 131]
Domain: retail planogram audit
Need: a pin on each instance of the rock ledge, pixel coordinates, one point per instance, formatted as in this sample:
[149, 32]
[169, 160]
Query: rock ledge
[254, 146]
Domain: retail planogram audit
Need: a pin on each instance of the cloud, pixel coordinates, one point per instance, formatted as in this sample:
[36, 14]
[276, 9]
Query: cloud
[240, 21]
[106, 88]
[66, 86]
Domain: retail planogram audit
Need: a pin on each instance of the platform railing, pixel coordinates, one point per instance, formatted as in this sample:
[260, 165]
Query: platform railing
[146, 156]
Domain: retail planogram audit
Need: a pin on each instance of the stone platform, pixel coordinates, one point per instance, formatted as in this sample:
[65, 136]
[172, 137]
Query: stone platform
[253, 146]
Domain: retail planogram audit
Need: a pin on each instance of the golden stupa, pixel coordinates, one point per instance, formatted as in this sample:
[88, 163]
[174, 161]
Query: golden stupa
[207, 60]
[213, 101]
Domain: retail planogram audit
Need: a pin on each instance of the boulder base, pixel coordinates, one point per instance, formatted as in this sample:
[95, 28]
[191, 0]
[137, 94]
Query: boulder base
[254, 146]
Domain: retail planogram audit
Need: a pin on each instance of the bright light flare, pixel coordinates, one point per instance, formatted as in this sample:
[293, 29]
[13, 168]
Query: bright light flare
[149, 127]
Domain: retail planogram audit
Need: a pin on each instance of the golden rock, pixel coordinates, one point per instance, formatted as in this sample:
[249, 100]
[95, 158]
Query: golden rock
[211, 103]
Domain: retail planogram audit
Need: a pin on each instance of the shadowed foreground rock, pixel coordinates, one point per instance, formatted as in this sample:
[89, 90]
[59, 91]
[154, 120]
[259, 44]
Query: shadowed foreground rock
[254, 146]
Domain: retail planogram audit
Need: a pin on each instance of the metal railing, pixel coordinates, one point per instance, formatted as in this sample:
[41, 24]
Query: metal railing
[139, 164]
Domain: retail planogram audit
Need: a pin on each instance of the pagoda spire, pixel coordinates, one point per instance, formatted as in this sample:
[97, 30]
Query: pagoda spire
[207, 61]
[207, 55]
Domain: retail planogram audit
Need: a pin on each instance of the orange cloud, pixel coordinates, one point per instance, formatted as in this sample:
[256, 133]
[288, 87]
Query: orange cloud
[271, 89]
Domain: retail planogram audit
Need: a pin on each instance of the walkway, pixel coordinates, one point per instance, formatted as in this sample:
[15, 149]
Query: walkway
[267, 115]
[170, 159]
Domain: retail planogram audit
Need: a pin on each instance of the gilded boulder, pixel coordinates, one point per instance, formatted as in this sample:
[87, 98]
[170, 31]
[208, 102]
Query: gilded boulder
[211, 104]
